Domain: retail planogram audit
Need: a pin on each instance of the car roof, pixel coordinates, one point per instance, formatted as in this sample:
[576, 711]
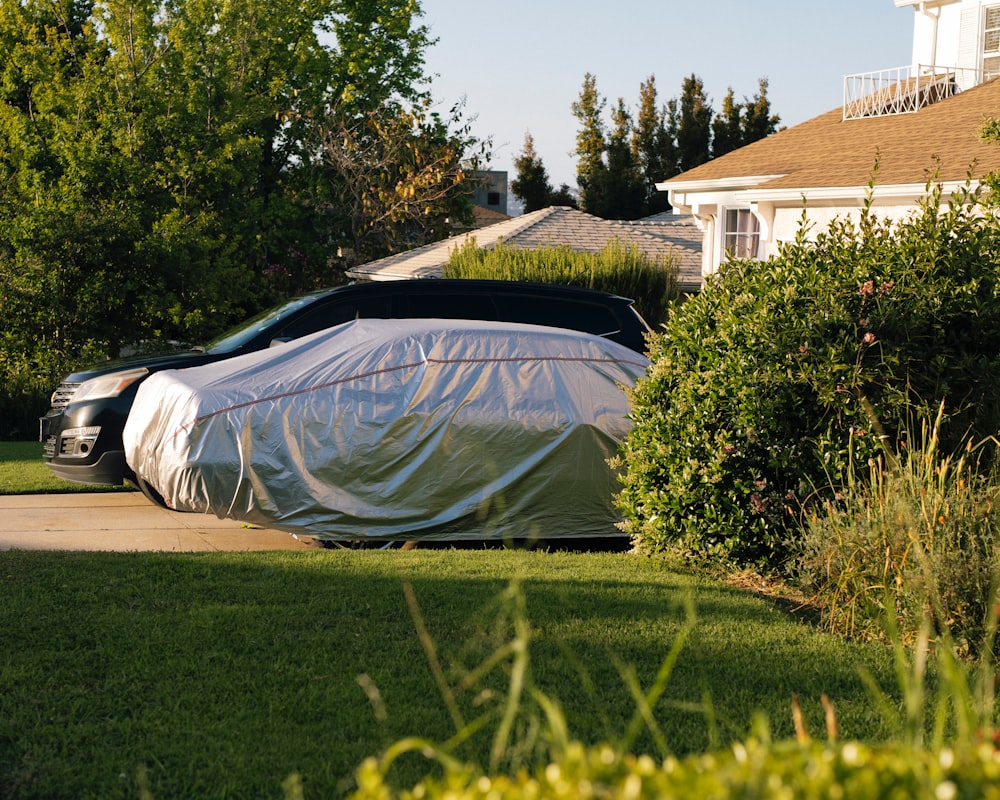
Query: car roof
[484, 285]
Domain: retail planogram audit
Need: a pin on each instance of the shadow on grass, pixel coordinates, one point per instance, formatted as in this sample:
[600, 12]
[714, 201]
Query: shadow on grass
[221, 674]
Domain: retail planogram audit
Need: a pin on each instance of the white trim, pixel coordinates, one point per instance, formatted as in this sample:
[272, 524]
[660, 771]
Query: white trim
[825, 195]
[922, 4]
[717, 184]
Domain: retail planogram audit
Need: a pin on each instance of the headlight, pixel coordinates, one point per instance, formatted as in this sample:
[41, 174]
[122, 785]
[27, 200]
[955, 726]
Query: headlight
[110, 385]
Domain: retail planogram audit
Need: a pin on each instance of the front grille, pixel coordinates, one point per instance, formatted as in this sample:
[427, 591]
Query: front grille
[62, 396]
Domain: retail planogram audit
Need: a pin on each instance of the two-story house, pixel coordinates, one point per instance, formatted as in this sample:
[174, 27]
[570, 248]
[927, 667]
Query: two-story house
[918, 122]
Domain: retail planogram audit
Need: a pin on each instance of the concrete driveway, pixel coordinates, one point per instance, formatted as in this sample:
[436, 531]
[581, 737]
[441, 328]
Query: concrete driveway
[125, 521]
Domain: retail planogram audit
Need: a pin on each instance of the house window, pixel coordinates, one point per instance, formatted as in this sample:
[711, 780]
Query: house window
[741, 235]
[991, 43]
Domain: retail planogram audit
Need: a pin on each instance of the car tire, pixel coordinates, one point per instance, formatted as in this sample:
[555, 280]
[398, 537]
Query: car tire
[150, 493]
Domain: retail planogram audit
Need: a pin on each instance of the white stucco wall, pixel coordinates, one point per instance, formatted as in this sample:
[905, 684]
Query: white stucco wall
[787, 221]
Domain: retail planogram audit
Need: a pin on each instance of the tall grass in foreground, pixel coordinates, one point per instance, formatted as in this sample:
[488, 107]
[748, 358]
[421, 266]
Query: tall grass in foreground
[619, 268]
[914, 540]
[534, 754]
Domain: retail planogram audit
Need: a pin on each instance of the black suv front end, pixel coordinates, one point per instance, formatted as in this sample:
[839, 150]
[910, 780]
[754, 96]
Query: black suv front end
[81, 433]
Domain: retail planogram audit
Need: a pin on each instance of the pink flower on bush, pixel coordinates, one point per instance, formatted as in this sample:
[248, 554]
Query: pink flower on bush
[867, 289]
[868, 338]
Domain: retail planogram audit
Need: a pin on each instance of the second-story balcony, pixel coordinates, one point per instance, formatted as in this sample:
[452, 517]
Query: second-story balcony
[903, 90]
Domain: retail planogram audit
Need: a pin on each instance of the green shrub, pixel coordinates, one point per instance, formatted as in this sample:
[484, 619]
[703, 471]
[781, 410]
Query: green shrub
[915, 538]
[619, 268]
[943, 743]
[782, 771]
[781, 374]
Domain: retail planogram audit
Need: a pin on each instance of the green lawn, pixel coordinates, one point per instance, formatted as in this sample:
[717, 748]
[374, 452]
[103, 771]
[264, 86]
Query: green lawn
[222, 674]
[22, 471]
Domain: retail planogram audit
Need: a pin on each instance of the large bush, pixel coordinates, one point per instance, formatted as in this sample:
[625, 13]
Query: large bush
[768, 386]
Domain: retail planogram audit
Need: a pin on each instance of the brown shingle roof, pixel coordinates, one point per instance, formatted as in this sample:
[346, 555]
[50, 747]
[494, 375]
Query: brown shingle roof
[827, 151]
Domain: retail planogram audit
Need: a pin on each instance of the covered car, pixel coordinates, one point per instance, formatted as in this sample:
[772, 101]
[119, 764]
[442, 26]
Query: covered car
[396, 429]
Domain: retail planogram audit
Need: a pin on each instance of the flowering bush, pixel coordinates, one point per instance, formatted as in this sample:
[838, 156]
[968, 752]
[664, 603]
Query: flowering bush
[768, 387]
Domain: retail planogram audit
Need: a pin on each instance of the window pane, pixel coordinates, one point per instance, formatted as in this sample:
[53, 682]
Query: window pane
[742, 233]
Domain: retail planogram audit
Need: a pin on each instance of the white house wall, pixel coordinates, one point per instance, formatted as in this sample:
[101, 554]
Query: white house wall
[950, 35]
[788, 220]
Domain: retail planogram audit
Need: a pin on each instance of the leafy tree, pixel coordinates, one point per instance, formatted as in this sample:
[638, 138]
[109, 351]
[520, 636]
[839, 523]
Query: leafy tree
[159, 174]
[694, 125]
[397, 176]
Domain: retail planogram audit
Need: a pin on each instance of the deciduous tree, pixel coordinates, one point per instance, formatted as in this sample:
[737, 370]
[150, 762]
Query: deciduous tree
[159, 174]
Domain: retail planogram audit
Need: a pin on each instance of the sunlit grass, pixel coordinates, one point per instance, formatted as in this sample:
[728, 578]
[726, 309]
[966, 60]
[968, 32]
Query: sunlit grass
[223, 674]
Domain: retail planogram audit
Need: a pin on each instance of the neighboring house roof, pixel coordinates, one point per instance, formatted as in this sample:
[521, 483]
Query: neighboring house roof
[555, 226]
[827, 152]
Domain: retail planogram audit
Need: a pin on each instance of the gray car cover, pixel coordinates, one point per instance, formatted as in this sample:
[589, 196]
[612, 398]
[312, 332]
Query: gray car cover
[396, 429]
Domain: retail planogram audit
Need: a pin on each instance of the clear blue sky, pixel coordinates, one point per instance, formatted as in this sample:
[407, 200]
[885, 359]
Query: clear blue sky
[520, 63]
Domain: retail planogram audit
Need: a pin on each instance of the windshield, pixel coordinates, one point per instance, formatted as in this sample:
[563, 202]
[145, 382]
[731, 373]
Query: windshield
[247, 331]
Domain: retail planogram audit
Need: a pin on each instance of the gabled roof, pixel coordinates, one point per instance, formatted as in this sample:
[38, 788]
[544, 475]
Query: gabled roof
[827, 151]
[555, 226]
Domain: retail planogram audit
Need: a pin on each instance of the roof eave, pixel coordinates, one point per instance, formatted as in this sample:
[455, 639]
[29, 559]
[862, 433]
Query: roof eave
[729, 183]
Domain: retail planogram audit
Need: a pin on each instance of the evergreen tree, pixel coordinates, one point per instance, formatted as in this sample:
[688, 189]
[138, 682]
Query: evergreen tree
[758, 121]
[654, 144]
[625, 192]
[694, 128]
[590, 145]
[531, 186]
[563, 196]
[727, 127]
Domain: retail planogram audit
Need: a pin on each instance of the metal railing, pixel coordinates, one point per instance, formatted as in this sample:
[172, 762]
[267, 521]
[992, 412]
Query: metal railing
[903, 90]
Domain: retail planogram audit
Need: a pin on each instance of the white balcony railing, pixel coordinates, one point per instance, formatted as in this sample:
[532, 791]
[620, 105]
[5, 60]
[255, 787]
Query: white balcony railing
[903, 90]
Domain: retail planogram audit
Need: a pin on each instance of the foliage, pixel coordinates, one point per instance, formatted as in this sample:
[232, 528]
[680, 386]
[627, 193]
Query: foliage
[771, 383]
[694, 124]
[618, 189]
[396, 176]
[531, 186]
[159, 172]
[915, 538]
[619, 268]
[655, 145]
[770, 771]
[618, 170]
[590, 142]
[962, 759]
